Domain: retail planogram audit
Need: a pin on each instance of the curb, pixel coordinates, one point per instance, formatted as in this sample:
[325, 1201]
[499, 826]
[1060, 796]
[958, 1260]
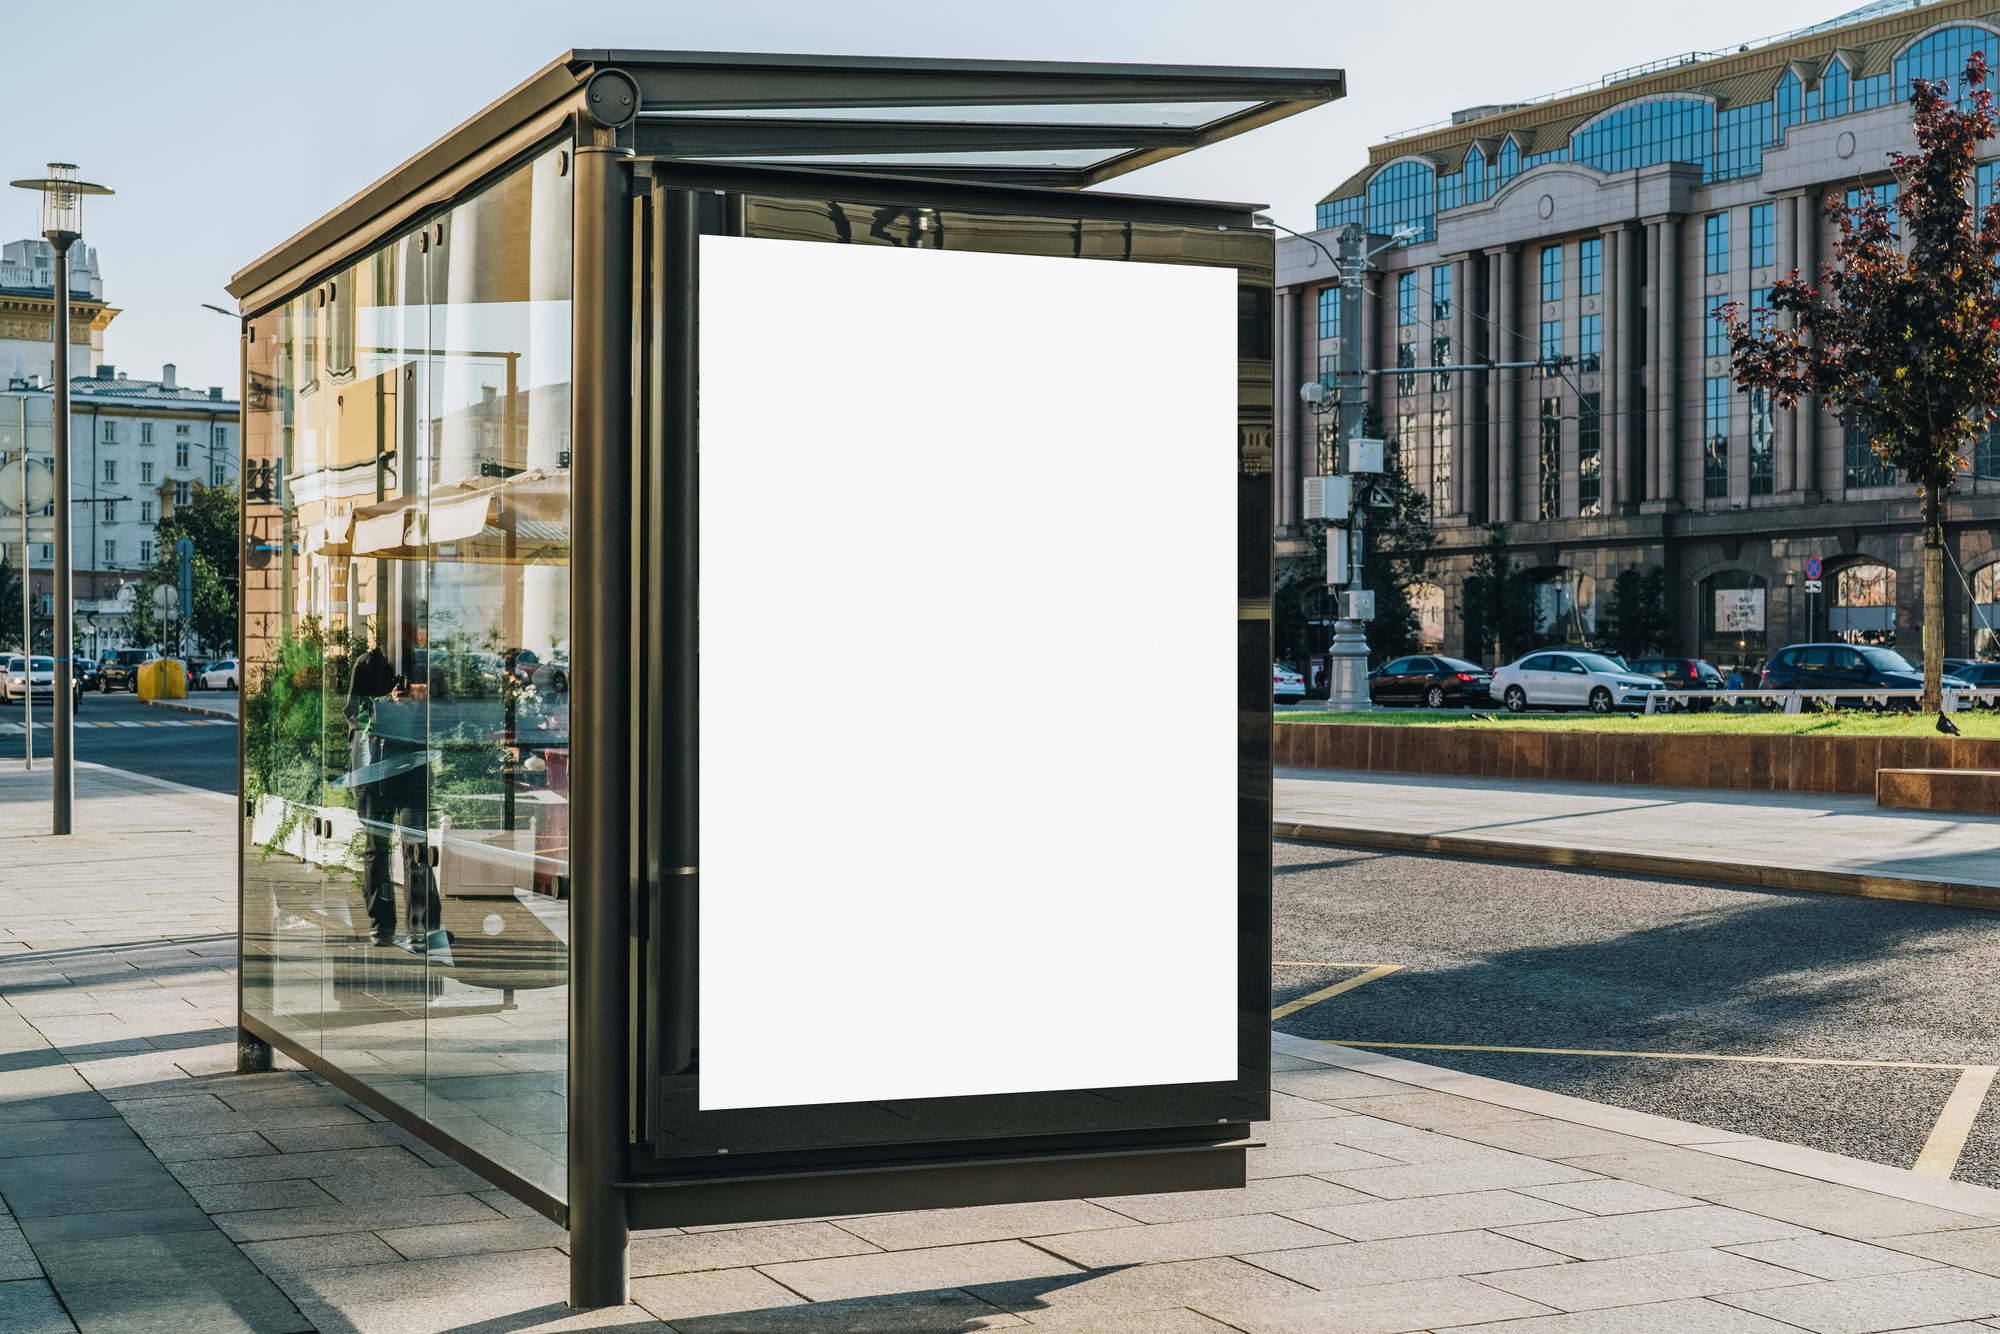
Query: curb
[1814, 1164]
[187, 707]
[1762, 875]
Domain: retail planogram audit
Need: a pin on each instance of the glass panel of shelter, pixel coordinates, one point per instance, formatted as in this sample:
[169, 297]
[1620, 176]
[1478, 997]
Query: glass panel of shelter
[407, 745]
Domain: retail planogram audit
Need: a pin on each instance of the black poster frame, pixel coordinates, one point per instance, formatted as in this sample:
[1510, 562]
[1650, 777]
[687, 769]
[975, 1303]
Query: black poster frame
[689, 1167]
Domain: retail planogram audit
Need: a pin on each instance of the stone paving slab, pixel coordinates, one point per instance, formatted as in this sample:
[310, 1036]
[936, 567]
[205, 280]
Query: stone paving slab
[1392, 1197]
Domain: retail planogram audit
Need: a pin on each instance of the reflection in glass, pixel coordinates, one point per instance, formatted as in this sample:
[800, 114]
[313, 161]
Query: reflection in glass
[406, 710]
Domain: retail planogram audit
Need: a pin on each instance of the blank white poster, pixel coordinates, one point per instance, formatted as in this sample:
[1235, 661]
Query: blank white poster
[968, 673]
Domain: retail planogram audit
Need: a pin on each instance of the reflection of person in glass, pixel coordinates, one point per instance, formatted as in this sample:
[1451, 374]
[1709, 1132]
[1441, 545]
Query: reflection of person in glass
[391, 782]
[372, 680]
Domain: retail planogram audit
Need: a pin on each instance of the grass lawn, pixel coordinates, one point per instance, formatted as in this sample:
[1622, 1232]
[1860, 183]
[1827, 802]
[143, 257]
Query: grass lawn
[1848, 722]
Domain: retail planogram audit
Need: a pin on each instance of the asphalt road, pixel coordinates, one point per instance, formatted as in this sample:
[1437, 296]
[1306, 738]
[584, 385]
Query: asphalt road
[200, 754]
[1501, 955]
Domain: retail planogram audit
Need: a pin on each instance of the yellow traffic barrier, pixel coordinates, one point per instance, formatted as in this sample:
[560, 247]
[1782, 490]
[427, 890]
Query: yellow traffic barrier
[163, 678]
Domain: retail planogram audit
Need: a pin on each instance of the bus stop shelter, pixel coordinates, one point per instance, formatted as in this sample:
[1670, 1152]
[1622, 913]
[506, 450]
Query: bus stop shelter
[756, 612]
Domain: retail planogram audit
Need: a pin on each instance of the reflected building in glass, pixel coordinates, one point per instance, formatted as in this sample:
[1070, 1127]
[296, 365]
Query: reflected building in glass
[406, 644]
[473, 711]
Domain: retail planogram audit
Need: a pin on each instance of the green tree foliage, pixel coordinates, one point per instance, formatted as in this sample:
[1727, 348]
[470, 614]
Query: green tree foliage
[1498, 603]
[1637, 620]
[1400, 541]
[1901, 333]
[210, 521]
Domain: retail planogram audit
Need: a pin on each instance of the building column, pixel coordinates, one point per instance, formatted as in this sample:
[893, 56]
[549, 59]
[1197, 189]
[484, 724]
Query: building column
[1479, 394]
[1649, 488]
[1505, 396]
[1462, 506]
[1784, 447]
[1610, 434]
[1806, 442]
[1631, 369]
[1666, 359]
[1287, 363]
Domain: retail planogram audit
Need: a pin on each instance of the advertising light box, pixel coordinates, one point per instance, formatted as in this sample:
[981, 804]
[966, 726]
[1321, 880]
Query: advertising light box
[959, 819]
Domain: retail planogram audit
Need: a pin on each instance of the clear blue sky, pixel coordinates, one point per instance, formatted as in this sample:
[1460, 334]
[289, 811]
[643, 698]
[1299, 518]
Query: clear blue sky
[227, 126]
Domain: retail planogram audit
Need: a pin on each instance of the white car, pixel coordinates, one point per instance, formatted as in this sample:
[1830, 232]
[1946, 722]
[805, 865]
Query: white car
[220, 675]
[1286, 683]
[15, 677]
[1570, 680]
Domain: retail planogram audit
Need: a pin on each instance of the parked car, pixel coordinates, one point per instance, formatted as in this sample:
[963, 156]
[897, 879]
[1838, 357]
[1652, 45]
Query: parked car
[1570, 681]
[1286, 683]
[119, 669]
[18, 680]
[220, 675]
[1428, 679]
[1837, 666]
[553, 676]
[1683, 674]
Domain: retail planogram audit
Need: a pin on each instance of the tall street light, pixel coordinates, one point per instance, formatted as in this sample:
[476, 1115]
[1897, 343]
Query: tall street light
[62, 227]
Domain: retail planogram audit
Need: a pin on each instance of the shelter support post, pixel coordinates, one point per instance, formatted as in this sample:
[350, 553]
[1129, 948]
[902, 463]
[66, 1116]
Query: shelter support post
[600, 687]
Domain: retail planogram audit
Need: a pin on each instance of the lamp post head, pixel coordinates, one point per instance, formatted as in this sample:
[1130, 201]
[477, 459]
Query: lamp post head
[62, 202]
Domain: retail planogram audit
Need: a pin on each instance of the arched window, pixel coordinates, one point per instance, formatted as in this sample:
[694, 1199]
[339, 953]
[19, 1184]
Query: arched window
[1475, 175]
[1942, 55]
[1401, 194]
[1833, 88]
[1741, 136]
[1864, 604]
[1510, 165]
[1646, 133]
[1565, 606]
[1733, 620]
[1788, 101]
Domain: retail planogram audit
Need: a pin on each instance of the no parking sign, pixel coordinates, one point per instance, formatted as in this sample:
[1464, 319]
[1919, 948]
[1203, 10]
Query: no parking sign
[1812, 567]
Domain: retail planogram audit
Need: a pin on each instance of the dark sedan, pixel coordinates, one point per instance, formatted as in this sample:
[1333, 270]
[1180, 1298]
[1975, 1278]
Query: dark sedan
[1840, 666]
[1431, 681]
[1682, 674]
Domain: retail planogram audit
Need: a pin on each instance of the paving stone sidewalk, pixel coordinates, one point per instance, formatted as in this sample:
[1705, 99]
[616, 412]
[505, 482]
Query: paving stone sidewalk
[1833, 831]
[151, 1189]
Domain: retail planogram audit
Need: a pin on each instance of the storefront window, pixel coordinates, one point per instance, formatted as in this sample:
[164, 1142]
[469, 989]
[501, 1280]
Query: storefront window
[1733, 606]
[407, 655]
[1864, 605]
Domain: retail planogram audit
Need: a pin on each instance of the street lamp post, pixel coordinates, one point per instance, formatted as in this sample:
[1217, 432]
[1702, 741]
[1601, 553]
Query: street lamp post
[62, 226]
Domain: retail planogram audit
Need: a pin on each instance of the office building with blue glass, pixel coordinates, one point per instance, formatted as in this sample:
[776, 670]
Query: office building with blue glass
[1599, 230]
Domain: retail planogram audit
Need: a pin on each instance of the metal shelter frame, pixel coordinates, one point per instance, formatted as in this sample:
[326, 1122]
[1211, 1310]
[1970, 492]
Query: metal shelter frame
[665, 146]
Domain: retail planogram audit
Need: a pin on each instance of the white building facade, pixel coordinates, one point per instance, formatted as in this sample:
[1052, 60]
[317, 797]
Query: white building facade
[139, 449]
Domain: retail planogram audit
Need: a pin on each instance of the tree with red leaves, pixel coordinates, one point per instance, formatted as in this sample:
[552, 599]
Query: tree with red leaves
[1903, 345]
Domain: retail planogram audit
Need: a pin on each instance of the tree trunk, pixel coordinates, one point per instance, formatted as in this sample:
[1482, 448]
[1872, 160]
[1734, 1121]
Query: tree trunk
[1932, 701]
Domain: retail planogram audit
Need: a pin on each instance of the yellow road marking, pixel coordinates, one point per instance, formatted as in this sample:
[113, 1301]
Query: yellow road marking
[1939, 1157]
[1961, 1109]
[1375, 971]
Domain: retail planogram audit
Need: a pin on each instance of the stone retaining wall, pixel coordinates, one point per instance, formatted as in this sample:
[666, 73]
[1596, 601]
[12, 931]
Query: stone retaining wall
[1790, 763]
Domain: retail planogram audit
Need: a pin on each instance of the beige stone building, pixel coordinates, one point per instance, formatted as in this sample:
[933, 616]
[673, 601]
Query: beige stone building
[1597, 230]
